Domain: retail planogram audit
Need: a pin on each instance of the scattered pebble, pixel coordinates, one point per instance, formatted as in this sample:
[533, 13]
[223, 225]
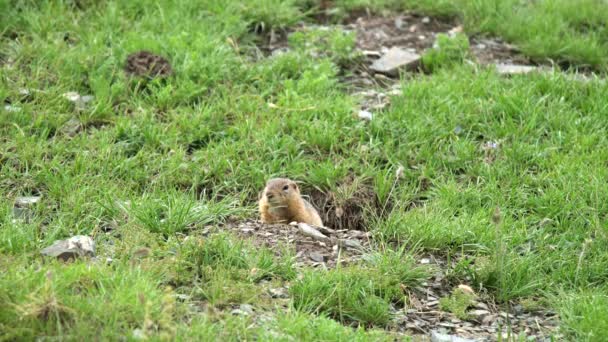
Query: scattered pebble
[400, 23]
[365, 115]
[425, 261]
[317, 257]
[436, 336]
[12, 109]
[139, 334]
[71, 96]
[279, 292]
[79, 101]
[243, 310]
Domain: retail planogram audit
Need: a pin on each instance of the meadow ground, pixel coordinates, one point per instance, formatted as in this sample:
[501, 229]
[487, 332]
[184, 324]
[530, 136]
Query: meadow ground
[157, 170]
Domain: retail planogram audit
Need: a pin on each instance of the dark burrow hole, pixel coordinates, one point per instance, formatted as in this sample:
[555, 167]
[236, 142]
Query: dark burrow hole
[339, 211]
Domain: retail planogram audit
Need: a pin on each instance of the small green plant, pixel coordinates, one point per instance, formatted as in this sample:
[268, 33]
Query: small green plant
[334, 43]
[458, 303]
[347, 295]
[361, 293]
[449, 51]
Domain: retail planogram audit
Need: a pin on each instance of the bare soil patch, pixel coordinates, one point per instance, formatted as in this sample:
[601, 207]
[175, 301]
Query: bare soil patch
[308, 251]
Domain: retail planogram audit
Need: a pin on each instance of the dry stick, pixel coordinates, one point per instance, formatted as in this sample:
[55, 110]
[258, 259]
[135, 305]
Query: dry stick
[398, 176]
[580, 258]
[500, 254]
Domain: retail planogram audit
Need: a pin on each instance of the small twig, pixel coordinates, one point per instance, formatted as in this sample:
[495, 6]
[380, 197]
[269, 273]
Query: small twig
[580, 258]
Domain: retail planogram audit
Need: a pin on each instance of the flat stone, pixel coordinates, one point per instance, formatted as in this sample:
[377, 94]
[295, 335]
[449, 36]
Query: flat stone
[514, 69]
[318, 257]
[354, 244]
[478, 314]
[436, 336]
[488, 319]
[74, 247]
[394, 60]
[481, 305]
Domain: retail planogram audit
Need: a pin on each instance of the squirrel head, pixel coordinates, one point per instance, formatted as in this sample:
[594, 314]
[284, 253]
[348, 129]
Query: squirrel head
[280, 190]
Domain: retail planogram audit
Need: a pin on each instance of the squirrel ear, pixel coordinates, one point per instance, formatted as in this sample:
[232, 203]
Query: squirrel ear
[295, 186]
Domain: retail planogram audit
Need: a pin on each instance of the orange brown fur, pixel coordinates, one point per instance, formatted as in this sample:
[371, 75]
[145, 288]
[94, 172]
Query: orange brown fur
[281, 202]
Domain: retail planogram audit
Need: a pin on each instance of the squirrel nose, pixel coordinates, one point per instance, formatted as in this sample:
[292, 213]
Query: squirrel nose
[269, 195]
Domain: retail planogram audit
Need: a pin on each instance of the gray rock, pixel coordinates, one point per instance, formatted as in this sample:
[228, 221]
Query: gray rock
[488, 319]
[481, 305]
[350, 244]
[436, 336]
[279, 292]
[400, 23]
[514, 69]
[426, 20]
[318, 257]
[394, 60]
[479, 314]
[74, 247]
[243, 310]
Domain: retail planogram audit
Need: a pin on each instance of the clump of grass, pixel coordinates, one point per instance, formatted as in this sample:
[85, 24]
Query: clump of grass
[201, 258]
[448, 52]
[584, 314]
[458, 303]
[176, 212]
[361, 293]
[346, 295]
[333, 43]
[265, 15]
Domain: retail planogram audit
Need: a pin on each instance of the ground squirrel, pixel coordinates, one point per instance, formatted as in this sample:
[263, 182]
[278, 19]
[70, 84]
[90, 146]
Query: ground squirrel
[281, 202]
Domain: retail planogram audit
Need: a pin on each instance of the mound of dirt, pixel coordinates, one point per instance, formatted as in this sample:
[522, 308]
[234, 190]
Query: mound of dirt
[145, 63]
[342, 246]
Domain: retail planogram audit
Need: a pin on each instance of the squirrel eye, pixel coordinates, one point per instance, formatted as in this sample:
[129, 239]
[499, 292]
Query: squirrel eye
[286, 187]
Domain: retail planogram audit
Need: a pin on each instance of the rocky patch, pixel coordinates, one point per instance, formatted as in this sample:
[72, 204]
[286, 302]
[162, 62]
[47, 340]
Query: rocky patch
[314, 246]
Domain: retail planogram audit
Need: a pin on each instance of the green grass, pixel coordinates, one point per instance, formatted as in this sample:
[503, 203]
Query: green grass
[361, 293]
[152, 164]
